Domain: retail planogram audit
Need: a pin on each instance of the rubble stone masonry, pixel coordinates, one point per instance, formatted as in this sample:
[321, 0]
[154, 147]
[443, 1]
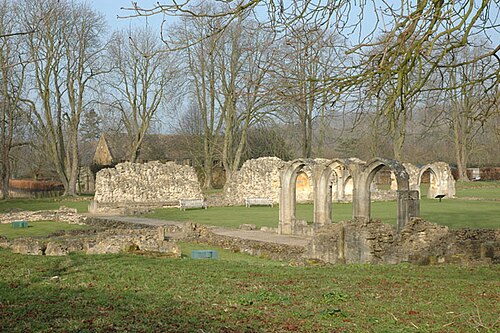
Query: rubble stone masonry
[153, 184]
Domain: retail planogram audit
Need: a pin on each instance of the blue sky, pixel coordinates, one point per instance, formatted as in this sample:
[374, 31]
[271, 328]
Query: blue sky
[112, 8]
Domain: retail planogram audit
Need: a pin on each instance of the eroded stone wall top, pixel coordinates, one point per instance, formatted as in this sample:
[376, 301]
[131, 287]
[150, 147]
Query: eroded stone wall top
[147, 183]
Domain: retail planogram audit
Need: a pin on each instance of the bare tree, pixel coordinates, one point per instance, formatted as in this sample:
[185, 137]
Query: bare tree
[141, 79]
[471, 99]
[201, 70]
[65, 50]
[12, 81]
[393, 102]
[245, 59]
[229, 81]
[395, 53]
[302, 70]
[415, 33]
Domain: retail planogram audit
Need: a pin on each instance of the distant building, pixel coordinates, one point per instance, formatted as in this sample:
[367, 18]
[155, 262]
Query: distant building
[112, 149]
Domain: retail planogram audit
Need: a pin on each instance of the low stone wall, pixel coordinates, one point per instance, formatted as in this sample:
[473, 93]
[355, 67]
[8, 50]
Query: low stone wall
[102, 242]
[63, 214]
[107, 236]
[203, 234]
[420, 242]
[152, 184]
[356, 241]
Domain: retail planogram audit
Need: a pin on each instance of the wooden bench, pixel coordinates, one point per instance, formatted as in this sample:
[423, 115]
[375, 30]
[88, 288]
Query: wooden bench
[192, 203]
[258, 202]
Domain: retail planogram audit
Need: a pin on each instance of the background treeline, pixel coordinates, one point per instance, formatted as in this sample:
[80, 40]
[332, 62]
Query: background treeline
[234, 86]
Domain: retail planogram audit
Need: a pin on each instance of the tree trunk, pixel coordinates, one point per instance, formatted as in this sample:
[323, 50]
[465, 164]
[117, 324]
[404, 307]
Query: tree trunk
[207, 162]
[397, 144]
[73, 168]
[461, 157]
[5, 174]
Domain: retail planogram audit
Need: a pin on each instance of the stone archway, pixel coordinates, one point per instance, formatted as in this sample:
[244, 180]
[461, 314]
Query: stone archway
[288, 180]
[442, 182]
[348, 188]
[434, 181]
[323, 191]
[363, 174]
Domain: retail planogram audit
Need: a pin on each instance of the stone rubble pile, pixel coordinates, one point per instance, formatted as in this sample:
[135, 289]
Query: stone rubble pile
[63, 214]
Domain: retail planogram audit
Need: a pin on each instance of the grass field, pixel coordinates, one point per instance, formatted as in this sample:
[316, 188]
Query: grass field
[242, 293]
[477, 206]
[37, 229]
[239, 293]
[81, 204]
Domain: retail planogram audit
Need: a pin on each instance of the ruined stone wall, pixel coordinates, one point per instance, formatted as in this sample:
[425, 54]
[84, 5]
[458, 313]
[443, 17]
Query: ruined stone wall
[256, 178]
[441, 180]
[260, 178]
[151, 184]
[419, 242]
[96, 242]
[351, 242]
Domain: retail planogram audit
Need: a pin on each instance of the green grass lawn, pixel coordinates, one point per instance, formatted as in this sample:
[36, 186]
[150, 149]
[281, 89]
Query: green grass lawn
[242, 293]
[454, 213]
[130, 293]
[37, 229]
[81, 204]
[487, 190]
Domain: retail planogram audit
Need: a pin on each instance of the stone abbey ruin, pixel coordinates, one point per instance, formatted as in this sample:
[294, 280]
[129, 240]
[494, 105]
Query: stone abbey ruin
[319, 181]
[323, 181]
[131, 187]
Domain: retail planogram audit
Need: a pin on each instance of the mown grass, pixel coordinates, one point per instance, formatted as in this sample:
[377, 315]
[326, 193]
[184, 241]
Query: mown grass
[129, 293]
[81, 204]
[37, 229]
[241, 293]
[484, 190]
[460, 212]
[454, 213]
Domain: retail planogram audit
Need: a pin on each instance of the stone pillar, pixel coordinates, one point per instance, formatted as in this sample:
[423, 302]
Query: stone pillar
[341, 177]
[408, 206]
[360, 193]
[285, 221]
[322, 195]
[287, 200]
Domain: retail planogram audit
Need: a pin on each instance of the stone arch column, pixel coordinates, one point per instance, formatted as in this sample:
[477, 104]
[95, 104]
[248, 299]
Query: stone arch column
[288, 178]
[323, 190]
[363, 174]
[347, 188]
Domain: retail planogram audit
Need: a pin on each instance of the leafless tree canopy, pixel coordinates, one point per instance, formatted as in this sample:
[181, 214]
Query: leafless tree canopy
[242, 78]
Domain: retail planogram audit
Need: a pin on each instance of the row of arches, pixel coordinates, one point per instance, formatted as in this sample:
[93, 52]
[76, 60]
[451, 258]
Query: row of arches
[334, 177]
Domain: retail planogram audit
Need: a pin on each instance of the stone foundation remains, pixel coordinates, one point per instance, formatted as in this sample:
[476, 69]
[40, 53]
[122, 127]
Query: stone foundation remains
[96, 242]
[105, 236]
[356, 241]
[152, 184]
[63, 214]
[420, 242]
